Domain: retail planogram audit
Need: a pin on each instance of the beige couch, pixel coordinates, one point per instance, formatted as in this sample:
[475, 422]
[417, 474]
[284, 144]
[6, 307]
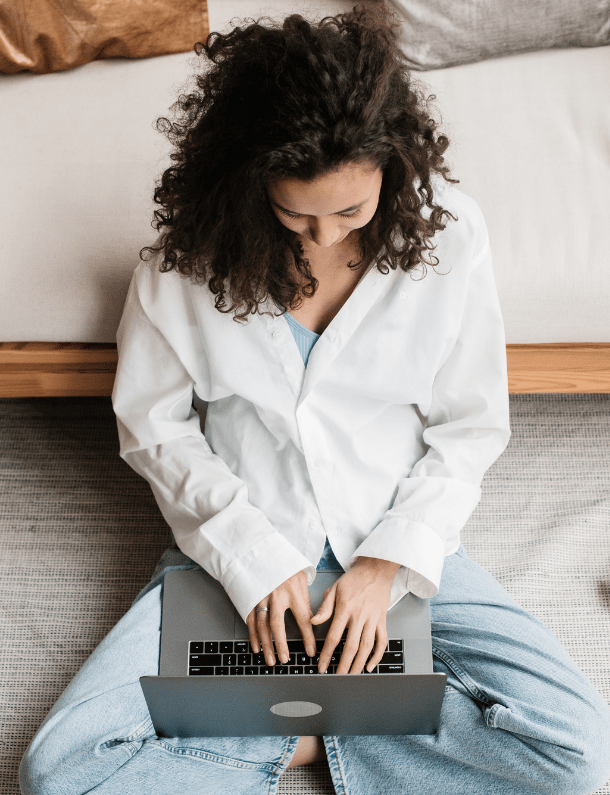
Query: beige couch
[530, 142]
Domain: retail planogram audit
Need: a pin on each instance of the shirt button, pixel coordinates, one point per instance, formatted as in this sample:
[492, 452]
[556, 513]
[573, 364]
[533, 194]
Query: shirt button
[312, 524]
[318, 462]
[275, 334]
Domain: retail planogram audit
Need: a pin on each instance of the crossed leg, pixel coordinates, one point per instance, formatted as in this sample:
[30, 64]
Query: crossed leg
[518, 716]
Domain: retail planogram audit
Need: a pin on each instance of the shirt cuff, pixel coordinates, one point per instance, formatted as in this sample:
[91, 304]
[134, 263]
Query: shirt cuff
[419, 550]
[266, 566]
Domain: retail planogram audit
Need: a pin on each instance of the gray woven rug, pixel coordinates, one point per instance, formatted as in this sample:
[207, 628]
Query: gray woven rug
[80, 534]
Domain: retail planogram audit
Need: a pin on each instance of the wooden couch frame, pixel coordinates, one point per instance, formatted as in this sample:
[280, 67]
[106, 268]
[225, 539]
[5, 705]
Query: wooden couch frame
[57, 369]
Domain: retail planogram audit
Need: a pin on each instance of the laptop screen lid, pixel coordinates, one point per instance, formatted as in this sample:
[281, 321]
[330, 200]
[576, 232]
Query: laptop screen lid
[196, 608]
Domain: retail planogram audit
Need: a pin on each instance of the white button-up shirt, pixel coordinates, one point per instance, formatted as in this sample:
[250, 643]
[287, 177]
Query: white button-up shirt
[380, 444]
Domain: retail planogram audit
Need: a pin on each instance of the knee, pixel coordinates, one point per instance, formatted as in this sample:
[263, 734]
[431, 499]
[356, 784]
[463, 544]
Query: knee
[43, 771]
[583, 766]
[31, 775]
[594, 769]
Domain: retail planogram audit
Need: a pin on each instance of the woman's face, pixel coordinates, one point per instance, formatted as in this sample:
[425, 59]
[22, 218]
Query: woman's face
[325, 210]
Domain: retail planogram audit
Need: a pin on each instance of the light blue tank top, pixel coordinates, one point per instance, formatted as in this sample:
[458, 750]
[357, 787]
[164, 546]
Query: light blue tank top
[305, 340]
[304, 337]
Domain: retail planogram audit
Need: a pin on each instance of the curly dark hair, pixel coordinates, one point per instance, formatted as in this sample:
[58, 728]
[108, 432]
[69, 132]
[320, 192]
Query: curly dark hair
[295, 100]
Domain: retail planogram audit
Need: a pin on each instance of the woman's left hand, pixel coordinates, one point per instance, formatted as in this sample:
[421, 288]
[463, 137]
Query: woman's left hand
[359, 600]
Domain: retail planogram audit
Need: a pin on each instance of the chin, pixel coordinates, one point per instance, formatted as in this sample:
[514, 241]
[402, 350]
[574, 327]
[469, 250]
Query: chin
[317, 245]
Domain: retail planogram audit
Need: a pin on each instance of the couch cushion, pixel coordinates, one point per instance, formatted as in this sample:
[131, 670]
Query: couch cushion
[48, 36]
[441, 33]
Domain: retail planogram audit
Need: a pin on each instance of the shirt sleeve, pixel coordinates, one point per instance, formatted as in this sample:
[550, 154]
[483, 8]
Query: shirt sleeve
[204, 503]
[466, 428]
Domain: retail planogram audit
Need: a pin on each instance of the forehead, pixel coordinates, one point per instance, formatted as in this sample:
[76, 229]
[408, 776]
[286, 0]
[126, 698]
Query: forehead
[328, 194]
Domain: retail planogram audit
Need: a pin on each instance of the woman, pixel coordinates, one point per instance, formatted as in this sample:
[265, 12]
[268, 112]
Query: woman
[307, 202]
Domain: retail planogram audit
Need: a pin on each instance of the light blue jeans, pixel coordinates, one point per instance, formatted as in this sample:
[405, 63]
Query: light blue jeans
[518, 716]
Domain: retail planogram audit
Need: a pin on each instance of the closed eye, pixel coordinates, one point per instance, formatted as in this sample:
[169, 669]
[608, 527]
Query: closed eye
[343, 215]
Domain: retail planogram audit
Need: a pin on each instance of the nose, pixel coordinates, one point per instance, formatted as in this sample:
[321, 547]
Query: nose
[324, 233]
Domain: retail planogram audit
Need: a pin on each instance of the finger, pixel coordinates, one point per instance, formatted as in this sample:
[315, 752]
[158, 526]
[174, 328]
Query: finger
[380, 646]
[278, 628]
[333, 636]
[264, 632]
[254, 639]
[326, 608]
[302, 615]
[367, 641]
[350, 648]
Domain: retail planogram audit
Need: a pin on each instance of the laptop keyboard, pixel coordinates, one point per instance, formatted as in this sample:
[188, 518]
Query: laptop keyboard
[236, 658]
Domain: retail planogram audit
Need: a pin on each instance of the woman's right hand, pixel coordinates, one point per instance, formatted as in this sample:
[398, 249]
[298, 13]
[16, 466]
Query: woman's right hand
[268, 625]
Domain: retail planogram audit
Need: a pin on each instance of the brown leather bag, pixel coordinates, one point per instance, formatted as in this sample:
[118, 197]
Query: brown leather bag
[53, 35]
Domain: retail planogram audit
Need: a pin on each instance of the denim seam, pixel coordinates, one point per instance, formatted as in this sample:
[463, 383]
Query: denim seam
[464, 678]
[145, 726]
[218, 758]
[127, 743]
[490, 715]
[280, 768]
[337, 764]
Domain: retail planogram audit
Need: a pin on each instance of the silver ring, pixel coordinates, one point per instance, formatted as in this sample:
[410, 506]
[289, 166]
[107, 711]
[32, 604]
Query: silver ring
[262, 609]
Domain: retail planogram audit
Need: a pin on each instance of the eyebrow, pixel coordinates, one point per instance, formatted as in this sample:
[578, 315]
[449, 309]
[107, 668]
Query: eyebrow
[339, 212]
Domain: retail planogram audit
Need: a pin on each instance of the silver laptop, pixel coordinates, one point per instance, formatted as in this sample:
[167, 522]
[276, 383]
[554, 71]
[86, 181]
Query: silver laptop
[211, 684]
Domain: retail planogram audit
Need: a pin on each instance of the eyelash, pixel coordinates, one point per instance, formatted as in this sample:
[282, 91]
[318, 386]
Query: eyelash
[343, 215]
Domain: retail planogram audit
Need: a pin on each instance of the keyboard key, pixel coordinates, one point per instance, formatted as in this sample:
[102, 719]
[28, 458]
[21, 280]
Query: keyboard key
[252, 670]
[205, 659]
[296, 669]
[391, 669]
[266, 670]
[229, 659]
[196, 647]
[319, 645]
[395, 645]
[310, 669]
[207, 671]
[258, 659]
[242, 647]
[222, 670]
[281, 670]
[211, 647]
[296, 646]
[244, 659]
[334, 660]
[226, 647]
[302, 659]
[392, 657]
[374, 671]
[236, 671]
